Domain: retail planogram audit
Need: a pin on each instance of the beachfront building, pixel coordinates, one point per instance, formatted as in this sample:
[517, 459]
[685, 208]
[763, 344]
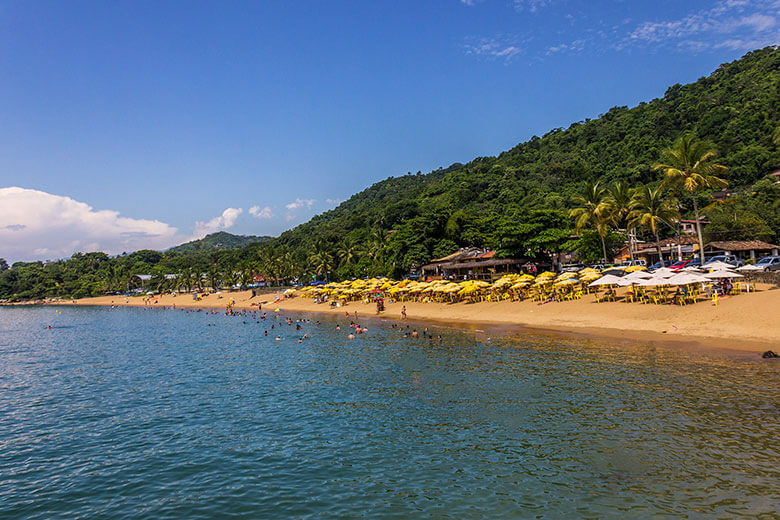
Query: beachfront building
[743, 249]
[471, 263]
[675, 248]
[688, 227]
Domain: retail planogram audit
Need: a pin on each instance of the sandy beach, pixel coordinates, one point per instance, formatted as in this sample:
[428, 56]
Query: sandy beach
[747, 322]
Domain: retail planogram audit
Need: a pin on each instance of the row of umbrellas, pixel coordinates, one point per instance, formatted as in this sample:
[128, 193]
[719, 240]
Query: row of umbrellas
[664, 276]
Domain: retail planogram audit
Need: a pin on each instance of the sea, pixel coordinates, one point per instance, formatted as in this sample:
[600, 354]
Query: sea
[139, 413]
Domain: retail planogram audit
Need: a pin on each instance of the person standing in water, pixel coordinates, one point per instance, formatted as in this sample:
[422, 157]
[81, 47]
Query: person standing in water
[403, 312]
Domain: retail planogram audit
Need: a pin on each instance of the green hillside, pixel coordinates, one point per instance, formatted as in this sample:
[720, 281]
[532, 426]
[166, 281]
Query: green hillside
[218, 240]
[517, 203]
[494, 201]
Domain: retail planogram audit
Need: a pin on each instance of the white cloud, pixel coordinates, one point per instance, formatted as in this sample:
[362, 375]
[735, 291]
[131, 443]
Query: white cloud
[258, 212]
[223, 221]
[531, 5]
[494, 48]
[733, 24]
[300, 203]
[334, 202]
[37, 226]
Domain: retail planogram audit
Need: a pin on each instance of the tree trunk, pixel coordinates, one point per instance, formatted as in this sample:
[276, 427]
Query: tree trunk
[658, 246]
[698, 228]
[603, 248]
[630, 244]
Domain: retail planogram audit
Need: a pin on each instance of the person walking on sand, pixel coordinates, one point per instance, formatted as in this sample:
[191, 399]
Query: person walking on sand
[403, 312]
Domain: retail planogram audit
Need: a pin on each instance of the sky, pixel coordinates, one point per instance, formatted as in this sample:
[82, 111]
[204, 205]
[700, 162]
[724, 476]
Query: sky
[144, 124]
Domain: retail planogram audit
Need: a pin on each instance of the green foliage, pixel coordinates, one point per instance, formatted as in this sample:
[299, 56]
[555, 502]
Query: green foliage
[517, 202]
[218, 240]
[589, 247]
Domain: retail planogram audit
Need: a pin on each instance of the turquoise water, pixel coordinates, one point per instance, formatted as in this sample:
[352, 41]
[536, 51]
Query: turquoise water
[135, 413]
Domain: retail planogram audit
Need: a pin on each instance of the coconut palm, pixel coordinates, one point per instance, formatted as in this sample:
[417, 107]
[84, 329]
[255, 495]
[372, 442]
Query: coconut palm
[689, 164]
[650, 208]
[348, 252]
[321, 261]
[592, 210]
[247, 276]
[213, 277]
[617, 205]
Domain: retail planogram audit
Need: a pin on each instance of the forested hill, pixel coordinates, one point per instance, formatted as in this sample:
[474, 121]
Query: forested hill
[218, 240]
[516, 203]
[416, 217]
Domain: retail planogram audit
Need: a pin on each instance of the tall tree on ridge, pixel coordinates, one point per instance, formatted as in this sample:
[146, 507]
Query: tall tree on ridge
[689, 164]
[649, 208]
[592, 210]
[617, 205]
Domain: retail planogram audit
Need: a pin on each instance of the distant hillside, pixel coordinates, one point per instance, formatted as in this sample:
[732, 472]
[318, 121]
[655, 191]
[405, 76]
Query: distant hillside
[219, 240]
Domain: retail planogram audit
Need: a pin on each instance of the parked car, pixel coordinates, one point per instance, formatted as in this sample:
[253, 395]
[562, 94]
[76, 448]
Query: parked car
[638, 261]
[769, 263]
[659, 264]
[727, 259]
[678, 266]
[696, 262]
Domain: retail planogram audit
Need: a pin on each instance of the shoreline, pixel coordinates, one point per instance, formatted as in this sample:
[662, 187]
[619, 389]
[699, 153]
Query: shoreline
[747, 324]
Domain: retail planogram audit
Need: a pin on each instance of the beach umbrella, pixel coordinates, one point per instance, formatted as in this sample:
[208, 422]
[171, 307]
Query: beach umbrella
[718, 266]
[637, 275]
[686, 279]
[748, 268]
[664, 271]
[722, 274]
[655, 281]
[635, 268]
[607, 279]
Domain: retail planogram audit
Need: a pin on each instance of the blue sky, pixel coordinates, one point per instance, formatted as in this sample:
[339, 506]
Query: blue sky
[132, 124]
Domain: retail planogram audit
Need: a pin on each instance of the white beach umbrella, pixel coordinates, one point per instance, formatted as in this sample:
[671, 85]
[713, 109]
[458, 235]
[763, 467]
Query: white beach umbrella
[664, 272]
[722, 274]
[686, 278]
[718, 266]
[749, 268]
[655, 281]
[635, 276]
[607, 279]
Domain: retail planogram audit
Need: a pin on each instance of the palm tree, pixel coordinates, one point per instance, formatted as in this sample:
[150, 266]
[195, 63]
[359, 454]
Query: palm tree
[776, 136]
[321, 261]
[689, 164]
[649, 208]
[348, 252]
[617, 205]
[592, 210]
[247, 276]
[213, 276]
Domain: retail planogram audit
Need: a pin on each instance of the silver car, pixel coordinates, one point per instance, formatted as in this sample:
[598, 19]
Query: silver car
[769, 263]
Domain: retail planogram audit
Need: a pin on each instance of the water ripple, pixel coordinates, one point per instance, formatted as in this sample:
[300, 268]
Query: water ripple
[134, 413]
